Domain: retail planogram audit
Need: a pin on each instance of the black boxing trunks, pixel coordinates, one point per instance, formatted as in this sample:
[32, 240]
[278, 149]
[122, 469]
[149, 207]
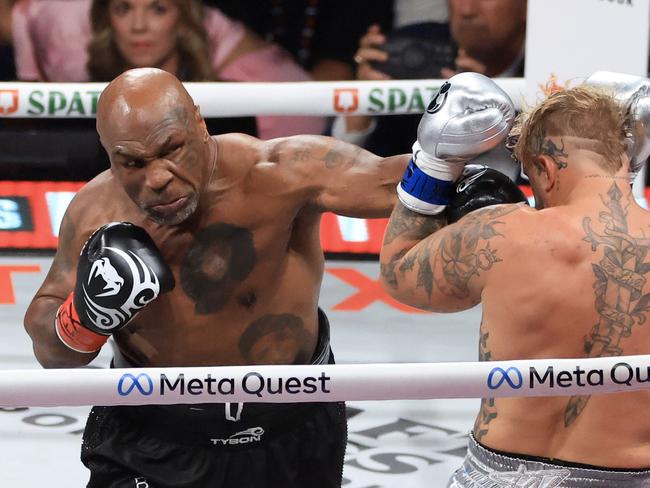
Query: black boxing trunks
[256, 445]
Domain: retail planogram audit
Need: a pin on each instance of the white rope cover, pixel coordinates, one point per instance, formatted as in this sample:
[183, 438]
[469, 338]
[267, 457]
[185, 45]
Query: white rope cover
[231, 99]
[308, 383]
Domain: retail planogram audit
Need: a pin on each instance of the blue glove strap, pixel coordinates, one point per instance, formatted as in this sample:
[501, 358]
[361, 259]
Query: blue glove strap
[424, 187]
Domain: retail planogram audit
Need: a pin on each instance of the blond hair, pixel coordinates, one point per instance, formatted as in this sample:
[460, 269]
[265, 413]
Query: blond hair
[105, 61]
[582, 111]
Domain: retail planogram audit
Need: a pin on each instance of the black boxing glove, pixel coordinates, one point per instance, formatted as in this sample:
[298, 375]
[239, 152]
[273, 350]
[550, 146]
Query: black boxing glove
[120, 271]
[480, 187]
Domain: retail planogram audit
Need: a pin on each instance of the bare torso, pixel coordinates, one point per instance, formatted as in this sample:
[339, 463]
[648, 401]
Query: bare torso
[553, 298]
[247, 274]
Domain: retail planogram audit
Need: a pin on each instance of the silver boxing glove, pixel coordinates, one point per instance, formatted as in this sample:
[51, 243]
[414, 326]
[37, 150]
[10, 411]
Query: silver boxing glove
[469, 115]
[634, 92]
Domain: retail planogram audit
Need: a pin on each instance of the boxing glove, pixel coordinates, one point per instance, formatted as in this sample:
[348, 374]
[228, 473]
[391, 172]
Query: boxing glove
[634, 93]
[469, 115]
[480, 187]
[120, 271]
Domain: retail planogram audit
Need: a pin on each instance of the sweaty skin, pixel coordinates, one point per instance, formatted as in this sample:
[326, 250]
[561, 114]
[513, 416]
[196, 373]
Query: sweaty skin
[236, 219]
[567, 281]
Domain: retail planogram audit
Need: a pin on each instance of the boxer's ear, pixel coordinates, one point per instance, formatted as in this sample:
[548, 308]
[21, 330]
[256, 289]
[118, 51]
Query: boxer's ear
[547, 172]
[201, 122]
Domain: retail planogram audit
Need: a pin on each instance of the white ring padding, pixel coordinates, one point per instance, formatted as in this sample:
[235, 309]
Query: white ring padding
[323, 383]
[232, 99]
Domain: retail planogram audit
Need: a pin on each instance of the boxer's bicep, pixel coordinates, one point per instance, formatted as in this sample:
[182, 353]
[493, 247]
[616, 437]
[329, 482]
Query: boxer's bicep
[441, 268]
[334, 176]
[354, 182]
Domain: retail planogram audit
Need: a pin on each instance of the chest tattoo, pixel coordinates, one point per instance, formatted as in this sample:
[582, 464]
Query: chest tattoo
[221, 256]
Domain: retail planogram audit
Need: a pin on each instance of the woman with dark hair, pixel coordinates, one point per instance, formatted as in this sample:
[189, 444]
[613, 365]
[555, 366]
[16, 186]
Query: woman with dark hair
[96, 40]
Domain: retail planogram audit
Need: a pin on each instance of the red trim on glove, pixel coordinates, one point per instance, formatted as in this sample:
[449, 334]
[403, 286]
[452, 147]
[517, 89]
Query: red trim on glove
[73, 333]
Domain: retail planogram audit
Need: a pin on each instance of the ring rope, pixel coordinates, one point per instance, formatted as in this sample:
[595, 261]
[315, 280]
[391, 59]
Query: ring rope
[236, 99]
[323, 383]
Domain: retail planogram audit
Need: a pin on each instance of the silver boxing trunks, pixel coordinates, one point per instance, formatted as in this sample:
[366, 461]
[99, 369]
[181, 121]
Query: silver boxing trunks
[485, 468]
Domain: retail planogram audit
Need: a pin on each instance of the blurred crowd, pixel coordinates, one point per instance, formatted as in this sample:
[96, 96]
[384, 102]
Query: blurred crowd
[268, 41]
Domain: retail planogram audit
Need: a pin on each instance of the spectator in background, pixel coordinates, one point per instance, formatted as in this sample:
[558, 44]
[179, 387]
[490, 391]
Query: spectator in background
[320, 35]
[54, 40]
[7, 67]
[131, 34]
[489, 36]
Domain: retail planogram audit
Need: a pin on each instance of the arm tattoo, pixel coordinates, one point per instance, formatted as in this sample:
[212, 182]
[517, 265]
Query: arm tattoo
[411, 226]
[221, 256]
[557, 154]
[488, 411]
[339, 154]
[300, 156]
[332, 159]
[458, 257]
[387, 270]
[425, 277]
[621, 276]
[466, 250]
[424, 273]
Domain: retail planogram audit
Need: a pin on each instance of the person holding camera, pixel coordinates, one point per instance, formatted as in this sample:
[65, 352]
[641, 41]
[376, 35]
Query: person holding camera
[484, 37]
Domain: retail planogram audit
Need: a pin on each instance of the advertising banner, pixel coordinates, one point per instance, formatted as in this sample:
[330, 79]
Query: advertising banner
[230, 99]
[323, 383]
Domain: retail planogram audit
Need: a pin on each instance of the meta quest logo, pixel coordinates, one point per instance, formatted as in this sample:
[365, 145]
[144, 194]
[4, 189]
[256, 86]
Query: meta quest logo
[128, 382]
[252, 383]
[512, 376]
[621, 373]
[255, 384]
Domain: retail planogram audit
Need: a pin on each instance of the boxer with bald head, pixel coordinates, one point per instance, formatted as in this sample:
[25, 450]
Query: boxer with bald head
[567, 279]
[196, 250]
[223, 235]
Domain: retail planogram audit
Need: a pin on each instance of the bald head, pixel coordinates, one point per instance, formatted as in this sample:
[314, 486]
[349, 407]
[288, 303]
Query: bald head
[158, 144]
[142, 95]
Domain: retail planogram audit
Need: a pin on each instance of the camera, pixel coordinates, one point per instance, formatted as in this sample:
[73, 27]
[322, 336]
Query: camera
[412, 57]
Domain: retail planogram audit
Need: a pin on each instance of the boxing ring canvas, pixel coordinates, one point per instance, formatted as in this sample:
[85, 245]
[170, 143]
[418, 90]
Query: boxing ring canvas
[409, 444]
